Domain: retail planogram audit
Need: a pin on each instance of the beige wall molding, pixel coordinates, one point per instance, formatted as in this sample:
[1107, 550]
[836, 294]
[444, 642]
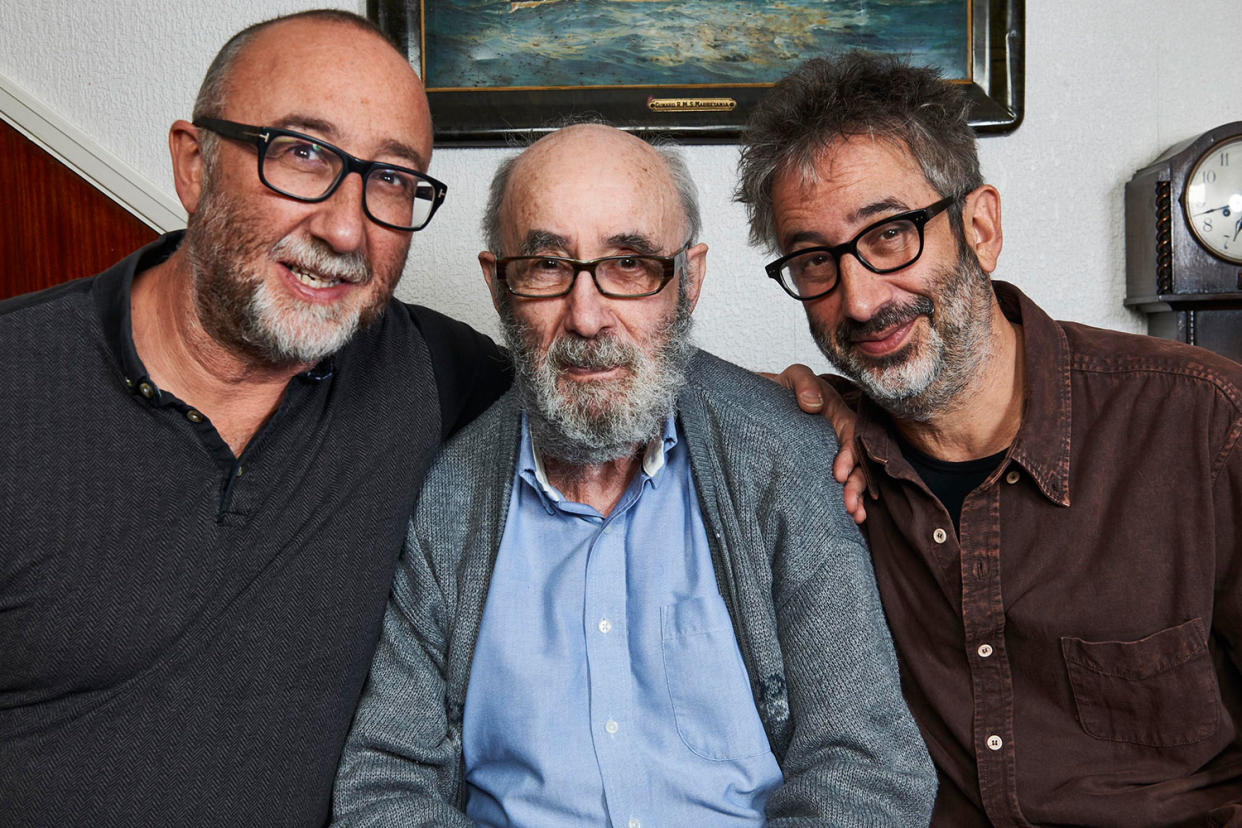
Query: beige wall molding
[109, 174]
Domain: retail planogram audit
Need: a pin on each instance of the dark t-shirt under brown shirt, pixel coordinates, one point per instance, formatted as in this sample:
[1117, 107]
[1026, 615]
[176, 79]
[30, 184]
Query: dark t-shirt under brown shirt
[1074, 658]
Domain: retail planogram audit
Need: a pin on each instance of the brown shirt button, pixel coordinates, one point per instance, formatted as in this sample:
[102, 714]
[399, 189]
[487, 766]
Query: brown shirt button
[984, 650]
[1012, 477]
[994, 742]
[939, 536]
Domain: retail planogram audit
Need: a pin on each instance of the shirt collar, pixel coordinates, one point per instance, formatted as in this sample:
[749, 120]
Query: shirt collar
[531, 468]
[112, 290]
[1042, 445]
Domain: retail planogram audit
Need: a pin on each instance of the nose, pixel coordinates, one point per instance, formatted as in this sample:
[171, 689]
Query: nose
[339, 219]
[860, 292]
[586, 311]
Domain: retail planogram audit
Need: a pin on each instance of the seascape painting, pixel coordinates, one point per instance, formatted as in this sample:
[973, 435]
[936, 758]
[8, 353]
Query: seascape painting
[499, 71]
[549, 44]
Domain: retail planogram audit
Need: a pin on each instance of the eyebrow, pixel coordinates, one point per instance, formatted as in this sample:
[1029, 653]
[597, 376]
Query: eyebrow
[392, 147]
[637, 242]
[883, 207]
[412, 157]
[803, 236]
[879, 208]
[537, 241]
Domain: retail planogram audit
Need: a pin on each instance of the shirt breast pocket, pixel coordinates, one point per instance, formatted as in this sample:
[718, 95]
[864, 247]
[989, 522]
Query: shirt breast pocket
[707, 681]
[1158, 691]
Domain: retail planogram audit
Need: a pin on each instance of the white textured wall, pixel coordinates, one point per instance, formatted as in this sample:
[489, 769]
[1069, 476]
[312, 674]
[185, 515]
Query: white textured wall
[1109, 86]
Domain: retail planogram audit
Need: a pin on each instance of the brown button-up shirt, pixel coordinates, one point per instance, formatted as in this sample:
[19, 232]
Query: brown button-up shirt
[1073, 658]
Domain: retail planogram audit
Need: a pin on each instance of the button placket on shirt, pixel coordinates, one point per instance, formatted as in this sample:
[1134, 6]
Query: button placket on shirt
[983, 620]
[608, 686]
[167, 404]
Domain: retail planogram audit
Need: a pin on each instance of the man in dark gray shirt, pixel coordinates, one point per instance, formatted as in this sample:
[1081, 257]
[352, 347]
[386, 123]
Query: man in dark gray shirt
[201, 503]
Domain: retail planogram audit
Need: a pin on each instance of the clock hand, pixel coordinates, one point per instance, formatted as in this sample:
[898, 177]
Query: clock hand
[1237, 228]
[1224, 207]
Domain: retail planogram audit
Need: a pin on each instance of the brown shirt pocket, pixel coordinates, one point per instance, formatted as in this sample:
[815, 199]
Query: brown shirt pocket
[1159, 691]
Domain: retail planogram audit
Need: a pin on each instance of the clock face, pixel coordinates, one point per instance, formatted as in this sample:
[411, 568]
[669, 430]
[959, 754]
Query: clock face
[1212, 199]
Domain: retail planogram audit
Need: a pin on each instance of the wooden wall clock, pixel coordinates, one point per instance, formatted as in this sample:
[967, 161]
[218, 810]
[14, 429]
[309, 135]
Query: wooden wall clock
[1184, 241]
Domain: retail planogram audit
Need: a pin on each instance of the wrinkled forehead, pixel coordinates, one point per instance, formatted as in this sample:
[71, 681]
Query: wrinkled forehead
[591, 183]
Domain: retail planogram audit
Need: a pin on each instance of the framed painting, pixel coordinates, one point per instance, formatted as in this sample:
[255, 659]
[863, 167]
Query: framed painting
[496, 69]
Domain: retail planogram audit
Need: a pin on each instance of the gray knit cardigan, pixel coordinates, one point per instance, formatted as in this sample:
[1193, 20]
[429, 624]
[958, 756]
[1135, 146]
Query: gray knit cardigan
[790, 564]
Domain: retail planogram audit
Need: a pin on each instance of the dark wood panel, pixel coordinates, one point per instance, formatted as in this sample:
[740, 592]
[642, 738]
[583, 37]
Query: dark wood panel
[54, 225]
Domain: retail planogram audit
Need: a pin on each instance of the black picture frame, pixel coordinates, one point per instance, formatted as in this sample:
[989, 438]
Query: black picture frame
[690, 114]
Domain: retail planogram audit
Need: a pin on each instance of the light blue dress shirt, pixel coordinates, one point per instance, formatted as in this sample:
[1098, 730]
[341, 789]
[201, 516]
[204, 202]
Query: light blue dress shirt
[607, 687]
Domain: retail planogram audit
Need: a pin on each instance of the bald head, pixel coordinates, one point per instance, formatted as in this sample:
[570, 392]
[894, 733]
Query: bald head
[587, 156]
[212, 92]
[345, 51]
[595, 142]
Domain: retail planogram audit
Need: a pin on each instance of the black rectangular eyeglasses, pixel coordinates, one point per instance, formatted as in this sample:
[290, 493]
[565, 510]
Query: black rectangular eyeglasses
[885, 246]
[617, 277]
[307, 169]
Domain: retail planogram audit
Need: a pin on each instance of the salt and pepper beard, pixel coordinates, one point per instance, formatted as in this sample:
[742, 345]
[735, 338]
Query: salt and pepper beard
[928, 378]
[595, 421]
[241, 310]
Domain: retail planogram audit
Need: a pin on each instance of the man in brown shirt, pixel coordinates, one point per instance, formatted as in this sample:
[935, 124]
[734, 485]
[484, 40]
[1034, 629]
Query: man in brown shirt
[1051, 506]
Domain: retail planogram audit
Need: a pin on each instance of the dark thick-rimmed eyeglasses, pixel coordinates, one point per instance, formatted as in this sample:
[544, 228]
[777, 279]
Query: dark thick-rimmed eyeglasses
[886, 246]
[617, 277]
[307, 169]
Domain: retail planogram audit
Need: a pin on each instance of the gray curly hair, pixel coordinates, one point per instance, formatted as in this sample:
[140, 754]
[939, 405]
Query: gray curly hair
[857, 93]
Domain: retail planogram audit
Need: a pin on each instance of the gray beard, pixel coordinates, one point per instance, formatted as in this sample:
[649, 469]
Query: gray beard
[918, 385]
[238, 309]
[590, 423]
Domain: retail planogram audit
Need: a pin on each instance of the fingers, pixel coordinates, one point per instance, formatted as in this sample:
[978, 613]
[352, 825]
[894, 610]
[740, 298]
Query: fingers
[845, 468]
[843, 420]
[855, 486]
[808, 388]
[845, 463]
[847, 472]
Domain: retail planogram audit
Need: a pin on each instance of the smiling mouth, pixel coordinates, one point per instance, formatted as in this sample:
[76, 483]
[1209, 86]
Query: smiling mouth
[880, 342]
[888, 332]
[312, 279]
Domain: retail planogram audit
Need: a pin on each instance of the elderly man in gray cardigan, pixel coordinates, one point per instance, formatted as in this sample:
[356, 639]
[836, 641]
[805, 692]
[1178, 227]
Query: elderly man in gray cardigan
[630, 594]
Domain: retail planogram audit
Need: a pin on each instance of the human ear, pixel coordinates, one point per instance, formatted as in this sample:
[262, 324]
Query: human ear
[981, 223]
[694, 272]
[487, 261]
[186, 149]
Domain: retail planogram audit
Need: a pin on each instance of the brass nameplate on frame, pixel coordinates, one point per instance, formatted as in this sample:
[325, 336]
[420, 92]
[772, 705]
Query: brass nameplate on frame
[691, 104]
